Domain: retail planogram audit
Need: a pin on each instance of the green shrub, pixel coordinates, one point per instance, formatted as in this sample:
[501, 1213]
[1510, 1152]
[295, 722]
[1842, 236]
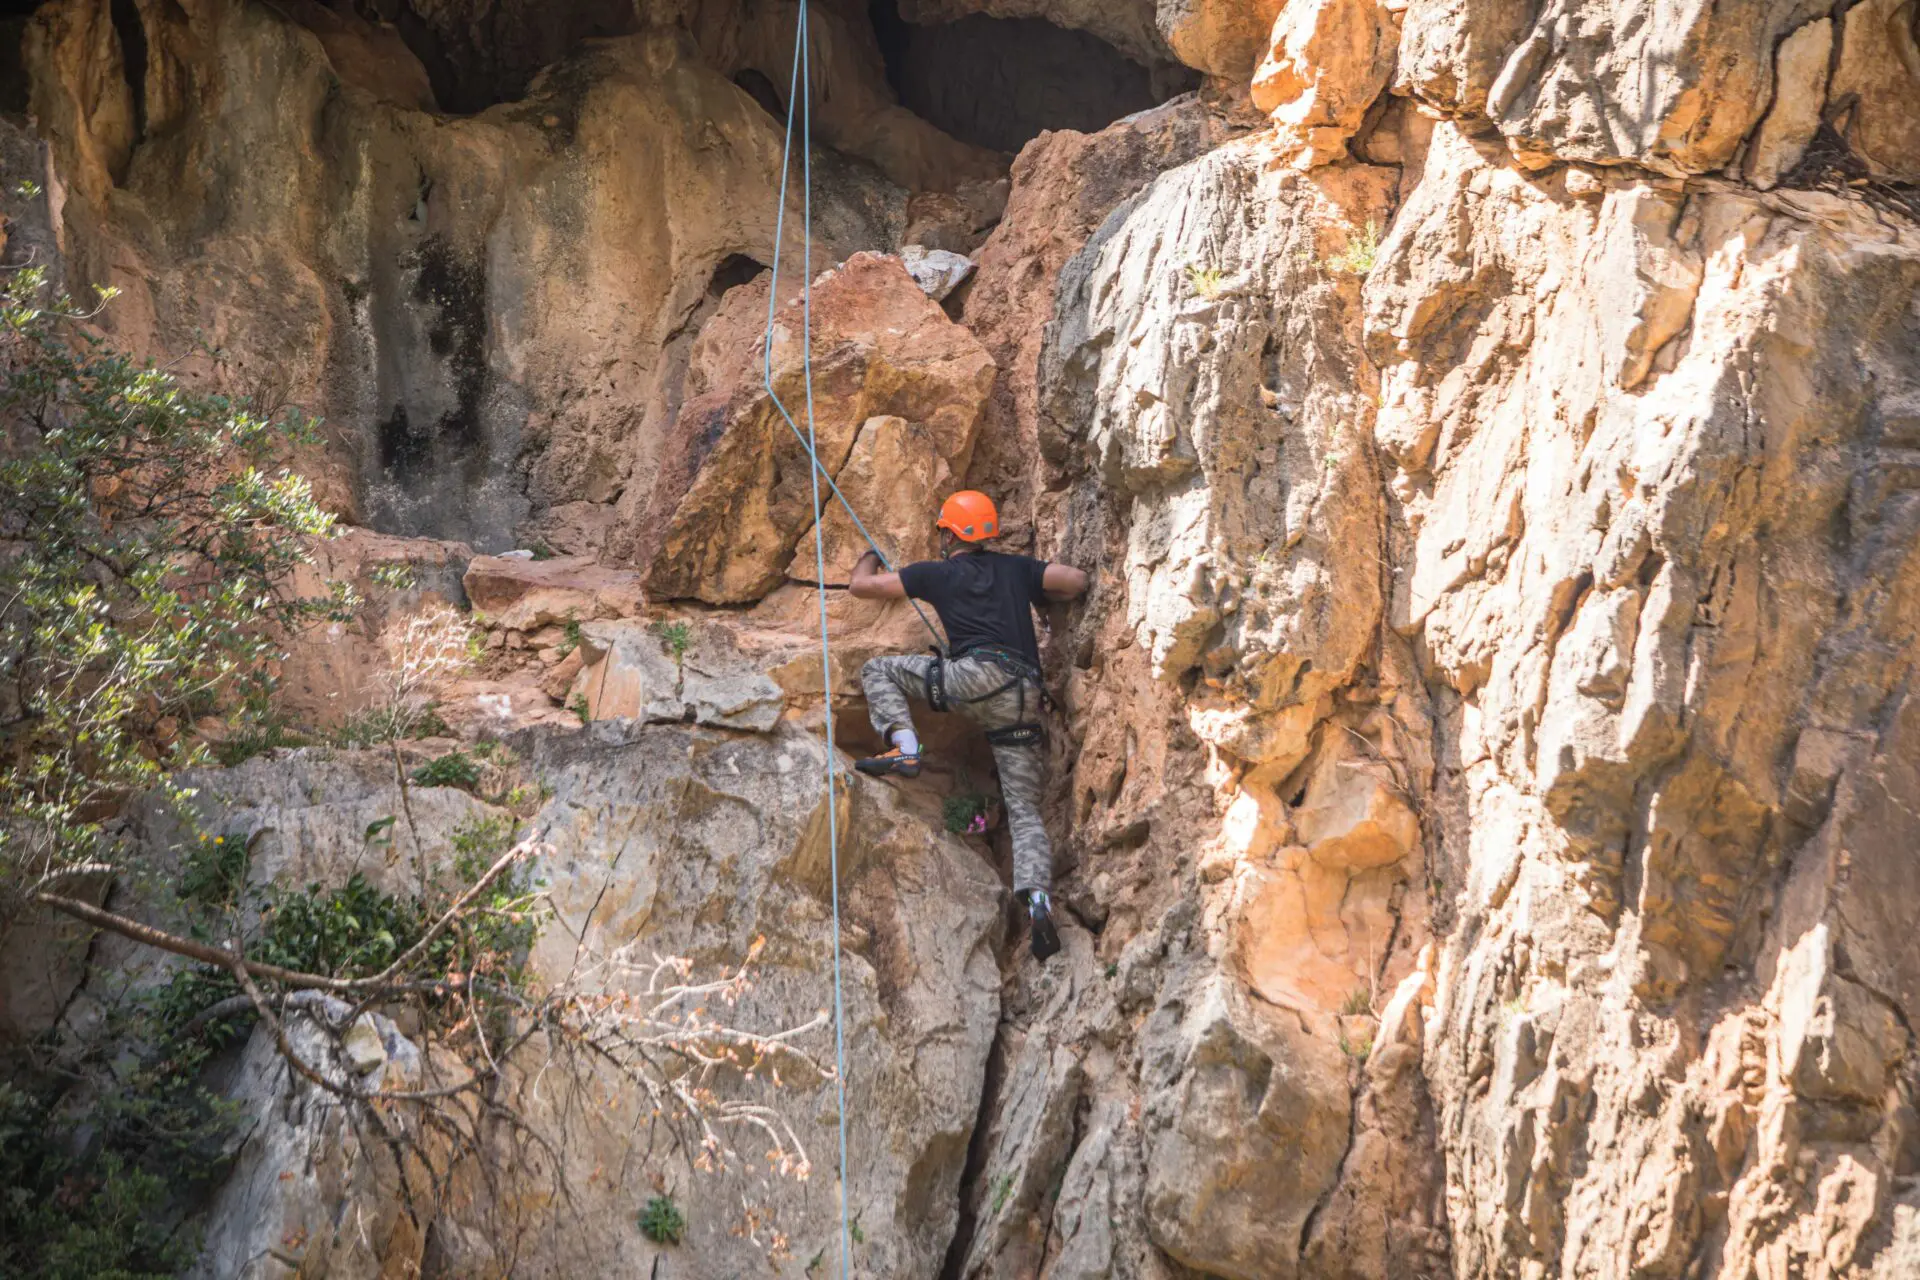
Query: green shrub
[110, 1206]
[214, 871]
[966, 814]
[153, 536]
[454, 769]
[480, 840]
[661, 1221]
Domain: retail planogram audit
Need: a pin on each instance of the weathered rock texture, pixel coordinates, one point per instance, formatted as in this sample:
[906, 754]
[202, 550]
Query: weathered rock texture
[492, 311]
[1483, 782]
[897, 393]
[1656, 554]
[676, 841]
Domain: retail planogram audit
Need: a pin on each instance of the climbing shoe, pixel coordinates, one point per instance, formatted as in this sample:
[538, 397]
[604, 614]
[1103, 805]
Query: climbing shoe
[895, 762]
[1045, 938]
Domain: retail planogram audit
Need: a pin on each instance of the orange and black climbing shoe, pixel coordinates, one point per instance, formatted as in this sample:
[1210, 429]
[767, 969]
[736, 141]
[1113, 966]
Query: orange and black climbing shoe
[1045, 938]
[895, 762]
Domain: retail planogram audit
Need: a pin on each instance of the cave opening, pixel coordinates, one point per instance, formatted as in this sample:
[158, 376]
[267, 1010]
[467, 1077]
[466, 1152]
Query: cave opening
[14, 15]
[1000, 82]
[764, 92]
[125, 16]
[737, 269]
[479, 56]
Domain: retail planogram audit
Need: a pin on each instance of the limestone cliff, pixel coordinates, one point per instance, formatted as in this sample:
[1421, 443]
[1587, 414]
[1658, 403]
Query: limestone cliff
[1484, 776]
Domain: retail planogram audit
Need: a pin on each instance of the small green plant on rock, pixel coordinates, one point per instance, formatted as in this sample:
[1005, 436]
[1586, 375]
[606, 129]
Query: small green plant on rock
[966, 814]
[580, 708]
[1363, 249]
[1205, 281]
[1002, 1190]
[677, 636]
[1357, 1002]
[662, 1222]
[454, 769]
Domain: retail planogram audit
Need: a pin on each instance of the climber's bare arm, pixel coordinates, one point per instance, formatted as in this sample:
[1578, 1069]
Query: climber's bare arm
[868, 583]
[1064, 582]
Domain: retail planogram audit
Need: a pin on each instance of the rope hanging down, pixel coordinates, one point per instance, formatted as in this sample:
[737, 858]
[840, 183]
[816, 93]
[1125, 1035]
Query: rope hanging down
[800, 102]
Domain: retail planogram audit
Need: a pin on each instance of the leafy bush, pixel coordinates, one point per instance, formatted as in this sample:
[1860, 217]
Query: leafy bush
[661, 1221]
[214, 871]
[152, 538]
[454, 769]
[110, 1205]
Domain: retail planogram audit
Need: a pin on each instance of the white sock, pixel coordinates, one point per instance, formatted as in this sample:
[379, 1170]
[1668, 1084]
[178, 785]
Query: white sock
[907, 741]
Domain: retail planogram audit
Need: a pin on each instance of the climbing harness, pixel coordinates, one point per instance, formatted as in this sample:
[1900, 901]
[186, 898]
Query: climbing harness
[1020, 734]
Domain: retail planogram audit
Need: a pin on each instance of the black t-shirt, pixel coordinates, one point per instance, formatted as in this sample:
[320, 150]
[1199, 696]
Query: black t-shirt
[982, 597]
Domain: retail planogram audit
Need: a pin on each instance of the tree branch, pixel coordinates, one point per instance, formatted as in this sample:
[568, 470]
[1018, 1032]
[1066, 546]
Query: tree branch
[206, 953]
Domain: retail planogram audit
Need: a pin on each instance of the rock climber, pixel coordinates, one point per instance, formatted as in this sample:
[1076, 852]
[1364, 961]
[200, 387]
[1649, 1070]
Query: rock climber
[990, 672]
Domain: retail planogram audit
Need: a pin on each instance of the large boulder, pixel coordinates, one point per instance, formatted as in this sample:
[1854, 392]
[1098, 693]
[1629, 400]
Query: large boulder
[670, 671]
[1327, 62]
[733, 497]
[1224, 38]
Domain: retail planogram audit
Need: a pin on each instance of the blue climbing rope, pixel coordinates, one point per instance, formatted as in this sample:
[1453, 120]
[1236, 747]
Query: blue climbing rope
[800, 102]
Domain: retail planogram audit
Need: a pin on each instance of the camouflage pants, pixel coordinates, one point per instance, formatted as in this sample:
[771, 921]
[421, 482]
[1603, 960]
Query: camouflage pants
[890, 681]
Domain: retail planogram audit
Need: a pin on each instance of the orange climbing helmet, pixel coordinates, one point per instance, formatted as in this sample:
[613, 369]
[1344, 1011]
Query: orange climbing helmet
[969, 516]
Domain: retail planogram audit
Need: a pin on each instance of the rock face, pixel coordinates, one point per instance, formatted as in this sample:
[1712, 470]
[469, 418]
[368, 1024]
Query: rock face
[1637, 665]
[898, 389]
[1676, 91]
[1483, 775]
[491, 311]
[676, 841]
